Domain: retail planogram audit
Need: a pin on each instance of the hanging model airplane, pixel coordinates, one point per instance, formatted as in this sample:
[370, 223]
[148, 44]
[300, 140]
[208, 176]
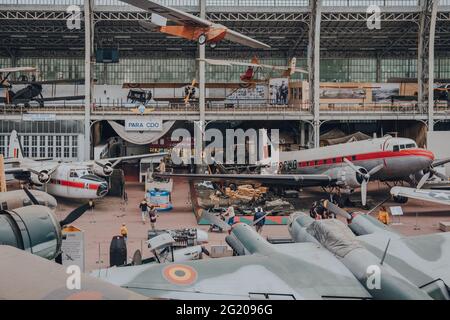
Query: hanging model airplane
[76, 180]
[189, 26]
[249, 75]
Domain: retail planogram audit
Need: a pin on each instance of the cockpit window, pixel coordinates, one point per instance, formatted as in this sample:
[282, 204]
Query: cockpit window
[404, 146]
[73, 174]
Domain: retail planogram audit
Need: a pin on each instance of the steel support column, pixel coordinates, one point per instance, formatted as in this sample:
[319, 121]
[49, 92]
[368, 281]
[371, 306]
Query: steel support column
[425, 63]
[199, 139]
[88, 39]
[314, 66]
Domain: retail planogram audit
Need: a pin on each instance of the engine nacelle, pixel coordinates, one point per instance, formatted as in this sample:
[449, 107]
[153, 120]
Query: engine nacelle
[43, 177]
[347, 177]
[244, 240]
[32, 228]
[104, 171]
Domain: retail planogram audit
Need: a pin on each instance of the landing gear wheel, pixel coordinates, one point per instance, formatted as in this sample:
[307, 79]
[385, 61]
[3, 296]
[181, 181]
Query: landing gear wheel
[202, 39]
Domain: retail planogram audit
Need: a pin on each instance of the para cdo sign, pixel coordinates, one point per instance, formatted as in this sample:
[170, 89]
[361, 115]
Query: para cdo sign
[139, 124]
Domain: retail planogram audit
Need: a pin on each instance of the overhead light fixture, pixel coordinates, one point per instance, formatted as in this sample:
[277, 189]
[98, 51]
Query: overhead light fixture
[128, 49]
[27, 48]
[172, 37]
[328, 37]
[70, 36]
[174, 49]
[222, 48]
[76, 48]
[380, 37]
[122, 37]
[277, 37]
[18, 36]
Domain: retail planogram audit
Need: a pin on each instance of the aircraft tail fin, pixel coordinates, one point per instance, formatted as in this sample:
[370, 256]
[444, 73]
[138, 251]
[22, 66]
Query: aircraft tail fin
[269, 152]
[15, 147]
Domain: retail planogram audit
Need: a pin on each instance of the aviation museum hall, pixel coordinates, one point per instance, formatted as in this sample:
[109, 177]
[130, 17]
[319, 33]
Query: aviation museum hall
[139, 136]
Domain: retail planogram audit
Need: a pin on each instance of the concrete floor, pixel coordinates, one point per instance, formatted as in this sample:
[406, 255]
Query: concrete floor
[104, 222]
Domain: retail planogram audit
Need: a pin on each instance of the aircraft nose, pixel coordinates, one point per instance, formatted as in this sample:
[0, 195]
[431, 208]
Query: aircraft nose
[102, 190]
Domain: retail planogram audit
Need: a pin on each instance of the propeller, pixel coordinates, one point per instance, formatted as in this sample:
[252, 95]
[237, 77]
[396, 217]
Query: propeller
[75, 214]
[107, 167]
[44, 176]
[365, 177]
[430, 172]
[31, 196]
[330, 206]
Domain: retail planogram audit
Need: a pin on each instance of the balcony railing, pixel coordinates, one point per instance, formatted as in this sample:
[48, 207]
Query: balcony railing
[71, 108]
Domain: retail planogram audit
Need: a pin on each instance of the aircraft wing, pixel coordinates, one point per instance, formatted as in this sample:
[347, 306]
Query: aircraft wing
[301, 180]
[29, 277]
[17, 69]
[49, 168]
[218, 62]
[237, 37]
[178, 16]
[436, 196]
[117, 160]
[286, 276]
[422, 259]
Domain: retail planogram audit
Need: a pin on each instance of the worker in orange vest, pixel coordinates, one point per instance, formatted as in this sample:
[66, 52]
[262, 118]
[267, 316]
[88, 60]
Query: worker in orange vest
[383, 215]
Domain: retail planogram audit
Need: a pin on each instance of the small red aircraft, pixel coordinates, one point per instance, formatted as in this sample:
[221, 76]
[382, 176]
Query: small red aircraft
[249, 75]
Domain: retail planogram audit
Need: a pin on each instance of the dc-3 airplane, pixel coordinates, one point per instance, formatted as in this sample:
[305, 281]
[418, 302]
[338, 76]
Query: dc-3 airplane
[76, 180]
[344, 166]
[189, 26]
[387, 264]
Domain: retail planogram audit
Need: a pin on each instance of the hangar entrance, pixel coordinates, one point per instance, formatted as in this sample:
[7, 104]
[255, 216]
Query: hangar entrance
[116, 139]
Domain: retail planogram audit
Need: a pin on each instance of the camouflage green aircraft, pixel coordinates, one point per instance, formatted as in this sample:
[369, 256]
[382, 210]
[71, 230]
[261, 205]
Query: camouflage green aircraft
[387, 264]
[266, 271]
[27, 276]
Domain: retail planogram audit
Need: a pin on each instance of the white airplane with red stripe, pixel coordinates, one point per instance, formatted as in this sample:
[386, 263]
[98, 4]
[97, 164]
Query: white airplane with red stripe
[346, 166]
[75, 180]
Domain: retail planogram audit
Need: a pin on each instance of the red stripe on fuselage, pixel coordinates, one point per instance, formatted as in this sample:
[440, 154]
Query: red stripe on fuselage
[74, 184]
[379, 155]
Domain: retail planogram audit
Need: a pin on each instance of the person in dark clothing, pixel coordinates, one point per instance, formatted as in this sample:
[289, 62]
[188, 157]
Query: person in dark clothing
[144, 209]
[260, 219]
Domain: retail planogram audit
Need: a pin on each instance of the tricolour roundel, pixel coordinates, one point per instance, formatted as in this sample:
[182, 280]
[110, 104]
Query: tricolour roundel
[180, 274]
